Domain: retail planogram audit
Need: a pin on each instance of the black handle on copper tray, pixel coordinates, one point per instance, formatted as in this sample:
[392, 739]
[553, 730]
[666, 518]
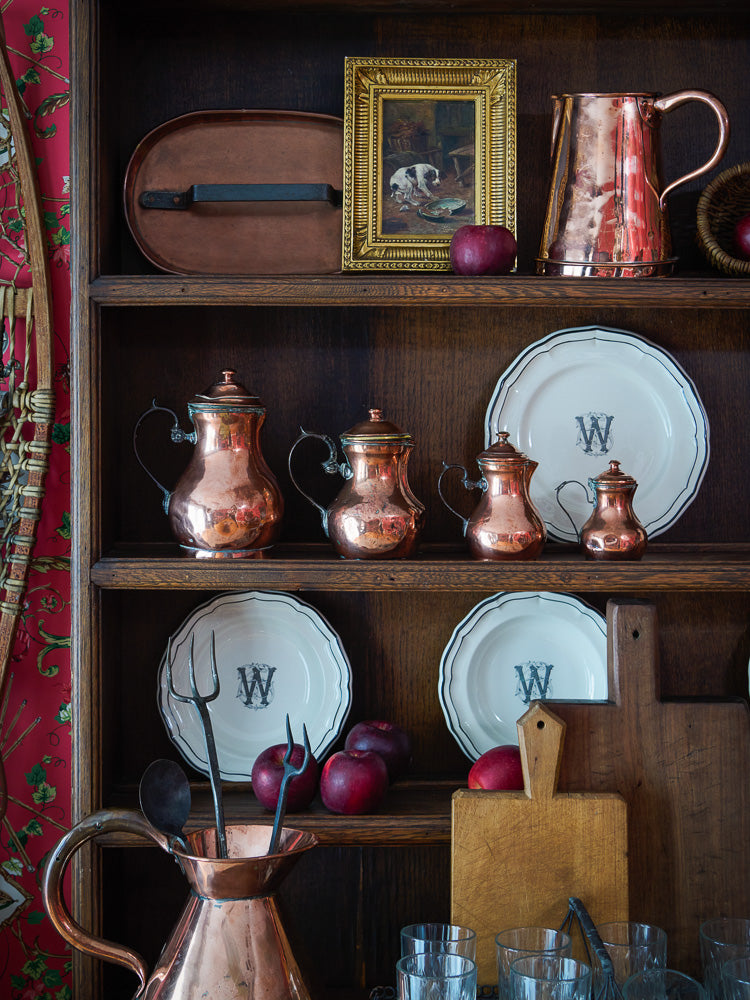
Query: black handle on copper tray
[206, 193]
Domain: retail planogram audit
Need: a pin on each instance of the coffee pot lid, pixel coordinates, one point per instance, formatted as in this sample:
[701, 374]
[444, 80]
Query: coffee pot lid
[227, 390]
[503, 449]
[376, 428]
[613, 478]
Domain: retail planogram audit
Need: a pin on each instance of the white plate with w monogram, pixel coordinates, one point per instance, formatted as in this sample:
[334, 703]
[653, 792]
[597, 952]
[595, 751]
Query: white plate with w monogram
[514, 648]
[275, 655]
[583, 396]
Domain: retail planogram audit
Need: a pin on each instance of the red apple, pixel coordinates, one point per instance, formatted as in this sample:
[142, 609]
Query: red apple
[498, 768]
[483, 250]
[384, 738]
[353, 782]
[742, 237]
[268, 770]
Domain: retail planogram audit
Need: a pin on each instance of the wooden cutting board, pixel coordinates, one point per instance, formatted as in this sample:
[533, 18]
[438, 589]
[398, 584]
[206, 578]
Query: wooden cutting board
[517, 857]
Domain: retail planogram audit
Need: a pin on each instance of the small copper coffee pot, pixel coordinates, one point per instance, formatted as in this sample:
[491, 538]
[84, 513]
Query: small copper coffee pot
[613, 531]
[227, 503]
[505, 523]
[375, 515]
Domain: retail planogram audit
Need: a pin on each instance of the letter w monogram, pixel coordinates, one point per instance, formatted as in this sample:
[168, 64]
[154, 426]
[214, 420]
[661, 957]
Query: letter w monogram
[595, 429]
[247, 690]
[534, 678]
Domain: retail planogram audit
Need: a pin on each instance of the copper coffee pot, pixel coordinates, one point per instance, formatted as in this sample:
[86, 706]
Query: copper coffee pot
[613, 531]
[227, 503]
[376, 515]
[228, 941]
[607, 207]
[505, 523]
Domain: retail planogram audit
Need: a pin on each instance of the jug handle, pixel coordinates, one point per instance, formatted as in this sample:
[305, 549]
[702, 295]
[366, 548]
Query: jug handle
[330, 467]
[665, 104]
[105, 821]
[561, 486]
[177, 434]
[469, 484]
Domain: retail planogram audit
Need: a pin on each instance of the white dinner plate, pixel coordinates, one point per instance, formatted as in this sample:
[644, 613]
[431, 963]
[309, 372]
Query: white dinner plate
[514, 648]
[275, 655]
[583, 396]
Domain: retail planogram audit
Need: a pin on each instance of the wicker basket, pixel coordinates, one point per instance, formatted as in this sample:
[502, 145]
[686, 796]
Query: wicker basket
[725, 200]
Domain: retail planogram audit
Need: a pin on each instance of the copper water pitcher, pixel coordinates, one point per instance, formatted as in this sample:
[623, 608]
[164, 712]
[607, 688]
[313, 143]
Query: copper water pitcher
[227, 503]
[505, 523]
[607, 207]
[228, 941]
[375, 515]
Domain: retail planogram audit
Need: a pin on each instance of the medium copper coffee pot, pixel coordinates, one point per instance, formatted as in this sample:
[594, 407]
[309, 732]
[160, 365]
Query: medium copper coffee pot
[505, 523]
[227, 503]
[613, 531]
[375, 515]
[228, 941]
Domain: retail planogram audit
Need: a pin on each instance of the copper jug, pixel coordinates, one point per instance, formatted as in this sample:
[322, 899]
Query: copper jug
[228, 941]
[375, 515]
[505, 523]
[227, 503]
[612, 531]
[607, 207]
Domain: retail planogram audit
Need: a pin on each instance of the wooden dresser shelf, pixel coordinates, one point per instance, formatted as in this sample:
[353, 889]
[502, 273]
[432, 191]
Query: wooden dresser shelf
[678, 292]
[316, 567]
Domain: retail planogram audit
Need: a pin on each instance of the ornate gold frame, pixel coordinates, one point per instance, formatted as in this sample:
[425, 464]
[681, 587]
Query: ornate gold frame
[490, 84]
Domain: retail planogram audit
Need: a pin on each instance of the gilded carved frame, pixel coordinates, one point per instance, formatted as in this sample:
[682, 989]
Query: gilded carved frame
[477, 97]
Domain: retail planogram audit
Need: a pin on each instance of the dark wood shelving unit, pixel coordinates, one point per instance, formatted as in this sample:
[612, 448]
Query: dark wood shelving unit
[428, 348]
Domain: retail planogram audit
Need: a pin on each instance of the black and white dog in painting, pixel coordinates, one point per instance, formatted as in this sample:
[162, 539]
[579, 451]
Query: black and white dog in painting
[410, 185]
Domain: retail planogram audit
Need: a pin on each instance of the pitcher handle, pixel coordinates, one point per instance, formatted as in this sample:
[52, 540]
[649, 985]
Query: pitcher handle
[330, 467]
[665, 104]
[177, 434]
[105, 821]
[469, 484]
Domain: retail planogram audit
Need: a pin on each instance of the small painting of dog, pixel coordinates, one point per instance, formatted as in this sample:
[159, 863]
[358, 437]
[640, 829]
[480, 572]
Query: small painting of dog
[412, 185]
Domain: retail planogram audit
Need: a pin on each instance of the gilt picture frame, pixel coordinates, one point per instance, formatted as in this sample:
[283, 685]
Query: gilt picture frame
[429, 145]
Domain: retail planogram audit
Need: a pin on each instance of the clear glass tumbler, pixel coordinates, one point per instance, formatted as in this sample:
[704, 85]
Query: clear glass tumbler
[662, 984]
[436, 976]
[436, 938]
[516, 942]
[735, 978]
[632, 947]
[544, 977]
[722, 939]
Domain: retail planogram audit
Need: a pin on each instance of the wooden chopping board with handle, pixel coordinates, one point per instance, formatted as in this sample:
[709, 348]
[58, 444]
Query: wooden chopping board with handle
[517, 857]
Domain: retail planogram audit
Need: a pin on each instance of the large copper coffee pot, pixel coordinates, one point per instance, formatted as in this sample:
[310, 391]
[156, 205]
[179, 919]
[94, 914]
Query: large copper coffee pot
[613, 530]
[375, 515]
[227, 503]
[228, 941]
[607, 207]
[505, 523]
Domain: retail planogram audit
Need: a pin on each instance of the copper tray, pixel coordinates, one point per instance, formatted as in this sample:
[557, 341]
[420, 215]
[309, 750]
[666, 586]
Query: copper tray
[239, 192]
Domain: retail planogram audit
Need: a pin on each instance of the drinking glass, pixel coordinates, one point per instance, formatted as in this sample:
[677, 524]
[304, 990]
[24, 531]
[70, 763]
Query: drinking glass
[516, 942]
[721, 939]
[548, 977]
[436, 976]
[439, 938]
[735, 979]
[662, 984]
[632, 947]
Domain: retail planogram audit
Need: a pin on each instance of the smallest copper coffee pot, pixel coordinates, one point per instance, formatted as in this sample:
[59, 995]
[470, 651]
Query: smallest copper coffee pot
[227, 503]
[375, 515]
[612, 531]
[505, 523]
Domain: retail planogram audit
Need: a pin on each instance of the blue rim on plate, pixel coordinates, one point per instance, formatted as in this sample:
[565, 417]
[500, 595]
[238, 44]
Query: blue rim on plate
[514, 648]
[583, 396]
[275, 654]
